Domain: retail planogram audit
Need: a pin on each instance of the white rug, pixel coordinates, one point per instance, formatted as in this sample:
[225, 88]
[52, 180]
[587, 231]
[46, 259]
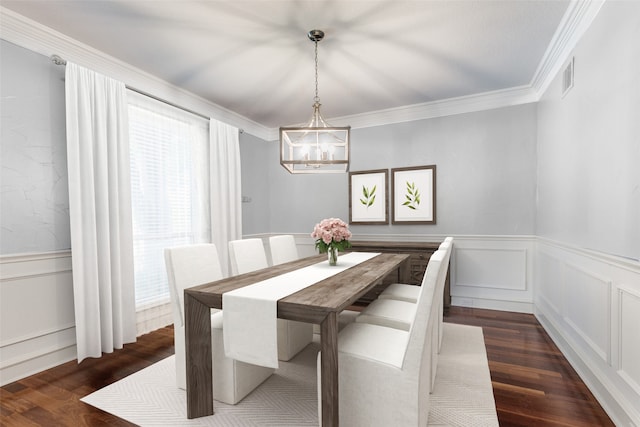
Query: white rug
[462, 396]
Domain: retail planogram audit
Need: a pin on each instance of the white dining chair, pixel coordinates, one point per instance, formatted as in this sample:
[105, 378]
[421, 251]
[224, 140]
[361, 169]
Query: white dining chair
[248, 255]
[403, 291]
[193, 265]
[448, 246]
[398, 313]
[401, 314]
[385, 373]
[390, 313]
[395, 314]
[283, 249]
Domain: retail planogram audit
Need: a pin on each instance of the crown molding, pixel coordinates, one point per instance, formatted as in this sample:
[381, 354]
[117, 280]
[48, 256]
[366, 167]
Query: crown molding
[38, 38]
[430, 110]
[440, 108]
[578, 17]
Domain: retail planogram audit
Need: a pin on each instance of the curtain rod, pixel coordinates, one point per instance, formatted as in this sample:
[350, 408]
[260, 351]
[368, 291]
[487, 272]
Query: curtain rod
[58, 60]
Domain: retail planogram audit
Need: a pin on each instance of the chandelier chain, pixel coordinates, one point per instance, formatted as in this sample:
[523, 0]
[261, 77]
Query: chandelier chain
[316, 98]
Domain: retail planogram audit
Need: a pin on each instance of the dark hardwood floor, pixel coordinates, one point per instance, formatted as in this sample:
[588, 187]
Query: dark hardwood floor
[533, 384]
[52, 398]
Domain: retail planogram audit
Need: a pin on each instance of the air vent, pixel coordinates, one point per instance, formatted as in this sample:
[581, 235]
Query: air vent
[567, 77]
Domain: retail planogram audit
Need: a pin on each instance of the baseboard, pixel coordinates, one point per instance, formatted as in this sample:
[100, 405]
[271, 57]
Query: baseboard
[491, 304]
[35, 363]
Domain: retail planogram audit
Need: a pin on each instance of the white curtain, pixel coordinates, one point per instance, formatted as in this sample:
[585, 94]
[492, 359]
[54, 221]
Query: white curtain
[100, 212]
[226, 193]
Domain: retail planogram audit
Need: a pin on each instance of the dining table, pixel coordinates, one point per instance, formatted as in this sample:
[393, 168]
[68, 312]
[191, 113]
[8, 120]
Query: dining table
[319, 303]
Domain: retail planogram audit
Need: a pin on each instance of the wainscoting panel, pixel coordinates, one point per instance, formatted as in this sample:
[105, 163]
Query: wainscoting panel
[492, 268]
[629, 343]
[494, 272]
[589, 303]
[587, 298]
[37, 326]
[549, 281]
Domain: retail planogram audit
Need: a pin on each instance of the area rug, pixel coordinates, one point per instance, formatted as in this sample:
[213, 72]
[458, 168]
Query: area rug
[462, 395]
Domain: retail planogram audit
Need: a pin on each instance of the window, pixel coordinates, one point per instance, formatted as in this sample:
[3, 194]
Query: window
[170, 189]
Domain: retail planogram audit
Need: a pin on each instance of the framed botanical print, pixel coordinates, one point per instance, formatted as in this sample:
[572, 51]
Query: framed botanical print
[413, 192]
[368, 200]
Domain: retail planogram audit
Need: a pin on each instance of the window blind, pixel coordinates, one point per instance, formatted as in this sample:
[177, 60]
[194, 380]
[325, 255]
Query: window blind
[170, 189]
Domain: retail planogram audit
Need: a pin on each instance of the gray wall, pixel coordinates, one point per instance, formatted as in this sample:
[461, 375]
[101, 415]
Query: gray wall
[589, 141]
[34, 200]
[255, 184]
[486, 164]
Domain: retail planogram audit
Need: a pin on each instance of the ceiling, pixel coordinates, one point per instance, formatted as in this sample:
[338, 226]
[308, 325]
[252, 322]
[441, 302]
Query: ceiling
[253, 56]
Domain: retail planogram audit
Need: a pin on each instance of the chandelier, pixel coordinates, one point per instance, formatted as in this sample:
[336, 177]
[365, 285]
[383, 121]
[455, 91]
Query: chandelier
[317, 147]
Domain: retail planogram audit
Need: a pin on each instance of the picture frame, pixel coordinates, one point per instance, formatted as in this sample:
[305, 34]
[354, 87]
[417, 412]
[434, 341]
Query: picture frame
[368, 197]
[413, 193]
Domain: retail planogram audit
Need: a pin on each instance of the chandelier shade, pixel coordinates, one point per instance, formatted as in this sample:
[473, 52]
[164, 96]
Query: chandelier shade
[317, 147]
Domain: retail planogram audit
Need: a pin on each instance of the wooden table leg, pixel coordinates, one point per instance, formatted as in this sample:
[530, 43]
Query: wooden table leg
[198, 358]
[329, 373]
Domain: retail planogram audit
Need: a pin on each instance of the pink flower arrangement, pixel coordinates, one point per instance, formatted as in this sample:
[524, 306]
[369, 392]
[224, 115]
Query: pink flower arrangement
[331, 233]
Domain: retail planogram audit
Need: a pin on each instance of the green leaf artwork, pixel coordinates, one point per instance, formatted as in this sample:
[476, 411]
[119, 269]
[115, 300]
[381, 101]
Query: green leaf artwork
[412, 196]
[368, 196]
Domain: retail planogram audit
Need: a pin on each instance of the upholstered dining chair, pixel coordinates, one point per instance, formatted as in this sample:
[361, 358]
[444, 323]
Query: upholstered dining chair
[283, 249]
[385, 373]
[448, 246]
[409, 293]
[248, 255]
[193, 265]
[401, 314]
[403, 291]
